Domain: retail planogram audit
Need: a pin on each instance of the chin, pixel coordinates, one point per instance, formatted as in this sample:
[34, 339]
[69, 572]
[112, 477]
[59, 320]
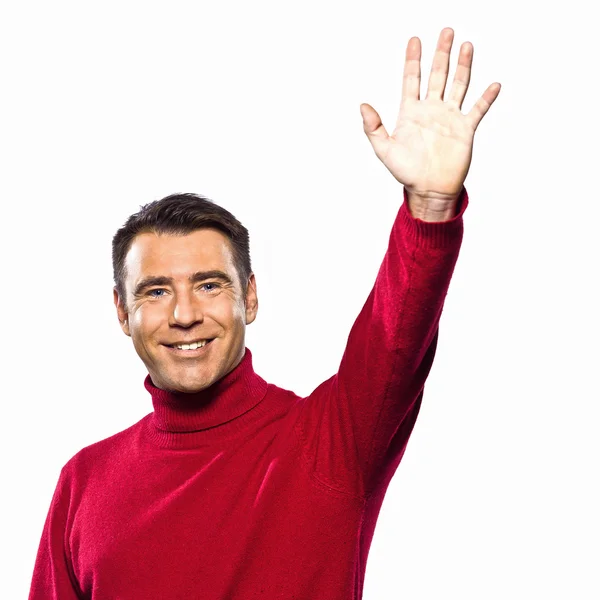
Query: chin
[190, 386]
[181, 382]
[193, 388]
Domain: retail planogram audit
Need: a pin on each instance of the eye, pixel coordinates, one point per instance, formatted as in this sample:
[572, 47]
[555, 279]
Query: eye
[151, 292]
[216, 285]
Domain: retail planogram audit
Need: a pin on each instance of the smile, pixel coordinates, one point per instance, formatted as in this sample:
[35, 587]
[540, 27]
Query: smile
[191, 345]
[194, 349]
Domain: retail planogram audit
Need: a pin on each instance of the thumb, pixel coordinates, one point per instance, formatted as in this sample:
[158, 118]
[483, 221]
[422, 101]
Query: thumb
[374, 129]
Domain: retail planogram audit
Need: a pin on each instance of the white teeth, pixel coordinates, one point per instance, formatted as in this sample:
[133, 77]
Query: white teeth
[193, 346]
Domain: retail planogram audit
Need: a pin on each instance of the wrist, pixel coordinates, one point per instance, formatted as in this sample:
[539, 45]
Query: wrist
[434, 209]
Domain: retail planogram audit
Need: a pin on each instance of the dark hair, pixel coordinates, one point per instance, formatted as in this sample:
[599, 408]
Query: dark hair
[180, 214]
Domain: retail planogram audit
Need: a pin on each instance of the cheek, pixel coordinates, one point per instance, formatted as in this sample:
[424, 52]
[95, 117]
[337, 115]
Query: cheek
[146, 320]
[229, 312]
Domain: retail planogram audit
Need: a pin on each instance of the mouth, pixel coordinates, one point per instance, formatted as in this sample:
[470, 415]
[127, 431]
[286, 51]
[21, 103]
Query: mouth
[192, 352]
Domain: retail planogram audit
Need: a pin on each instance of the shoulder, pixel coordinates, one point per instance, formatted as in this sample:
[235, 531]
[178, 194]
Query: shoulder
[97, 456]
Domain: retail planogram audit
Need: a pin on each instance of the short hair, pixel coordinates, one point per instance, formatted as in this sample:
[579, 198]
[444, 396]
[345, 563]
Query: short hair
[181, 214]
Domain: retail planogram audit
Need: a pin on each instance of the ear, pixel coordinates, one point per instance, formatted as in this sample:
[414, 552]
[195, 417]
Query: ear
[121, 312]
[251, 300]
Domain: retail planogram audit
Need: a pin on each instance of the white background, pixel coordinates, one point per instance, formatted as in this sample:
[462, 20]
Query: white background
[106, 106]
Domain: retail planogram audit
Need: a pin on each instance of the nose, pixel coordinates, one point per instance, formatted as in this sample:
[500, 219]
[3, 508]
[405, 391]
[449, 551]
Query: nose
[187, 310]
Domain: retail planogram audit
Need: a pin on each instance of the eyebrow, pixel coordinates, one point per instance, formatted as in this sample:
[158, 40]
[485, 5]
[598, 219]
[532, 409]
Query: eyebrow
[198, 276]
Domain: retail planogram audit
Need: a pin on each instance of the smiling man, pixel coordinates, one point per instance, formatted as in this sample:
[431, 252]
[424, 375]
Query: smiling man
[183, 302]
[234, 488]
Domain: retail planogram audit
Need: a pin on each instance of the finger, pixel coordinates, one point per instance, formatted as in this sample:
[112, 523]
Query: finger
[462, 77]
[483, 105]
[375, 130]
[441, 63]
[411, 79]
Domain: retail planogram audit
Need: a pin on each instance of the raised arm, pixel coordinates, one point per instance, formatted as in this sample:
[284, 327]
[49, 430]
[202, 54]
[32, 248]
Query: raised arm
[356, 424]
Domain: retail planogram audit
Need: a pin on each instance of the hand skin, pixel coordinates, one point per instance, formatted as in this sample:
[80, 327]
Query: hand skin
[431, 209]
[430, 150]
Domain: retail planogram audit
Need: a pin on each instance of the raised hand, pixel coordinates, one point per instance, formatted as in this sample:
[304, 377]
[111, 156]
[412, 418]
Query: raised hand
[429, 151]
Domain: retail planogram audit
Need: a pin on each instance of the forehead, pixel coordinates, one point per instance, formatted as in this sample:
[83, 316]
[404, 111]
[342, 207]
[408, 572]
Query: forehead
[178, 255]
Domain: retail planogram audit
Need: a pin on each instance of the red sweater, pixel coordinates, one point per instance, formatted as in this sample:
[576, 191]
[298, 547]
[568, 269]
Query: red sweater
[245, 490]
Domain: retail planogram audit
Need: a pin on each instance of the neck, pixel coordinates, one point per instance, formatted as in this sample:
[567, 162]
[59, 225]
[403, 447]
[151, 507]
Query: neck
[181, 418]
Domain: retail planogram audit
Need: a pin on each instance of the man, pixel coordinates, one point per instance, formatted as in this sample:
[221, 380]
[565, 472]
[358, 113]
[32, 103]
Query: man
[233, 487]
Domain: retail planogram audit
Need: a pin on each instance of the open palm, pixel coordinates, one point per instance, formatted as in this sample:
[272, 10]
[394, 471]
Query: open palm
[430, 149]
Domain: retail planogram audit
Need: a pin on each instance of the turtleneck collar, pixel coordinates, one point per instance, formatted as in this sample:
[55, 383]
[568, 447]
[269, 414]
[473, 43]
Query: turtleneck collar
[182, 420]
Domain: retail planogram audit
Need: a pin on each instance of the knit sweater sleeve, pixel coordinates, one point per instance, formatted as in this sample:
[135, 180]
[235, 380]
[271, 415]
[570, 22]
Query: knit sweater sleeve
[53, 577]
[357, 423]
